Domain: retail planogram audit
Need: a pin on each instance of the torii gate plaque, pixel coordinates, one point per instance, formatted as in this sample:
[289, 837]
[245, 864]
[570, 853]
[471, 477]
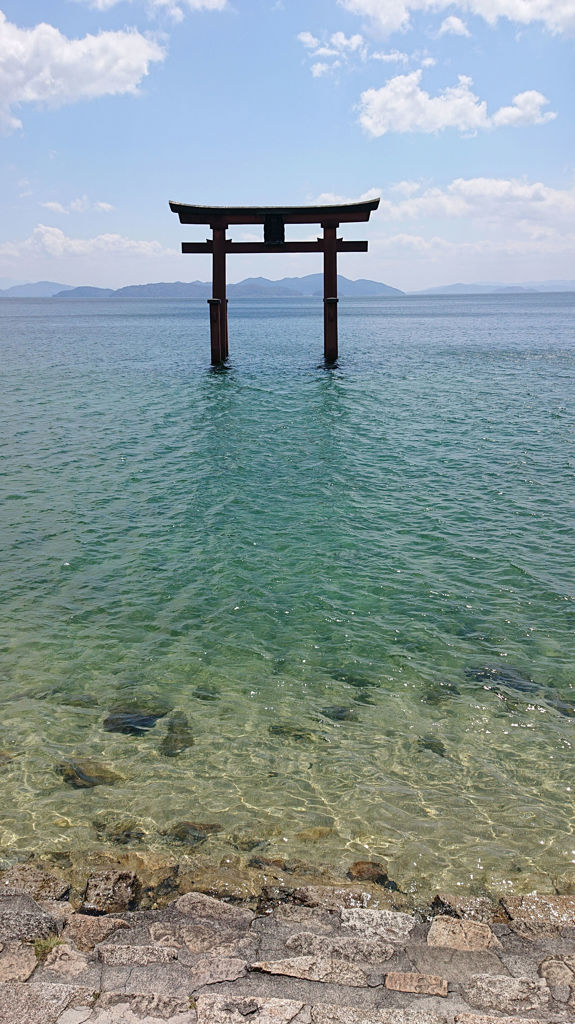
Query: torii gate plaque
[274, 219]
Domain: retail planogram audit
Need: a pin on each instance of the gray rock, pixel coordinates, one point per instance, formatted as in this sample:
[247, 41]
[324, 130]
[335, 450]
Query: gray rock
[218, 1009]
[22, 918]
[17, 961]
[506, 994]
[213, 969]
[317, 968]
[372, 951]
[86, 932]
[391, 926]
[40, 885]
[136, 956]
[39, 1003]
[110, 892]
[197, 905]
[145, 1005]
[65, 960]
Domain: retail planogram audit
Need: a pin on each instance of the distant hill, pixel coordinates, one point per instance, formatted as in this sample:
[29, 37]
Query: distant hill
[39, 290]
[251, 287]
[499, 289]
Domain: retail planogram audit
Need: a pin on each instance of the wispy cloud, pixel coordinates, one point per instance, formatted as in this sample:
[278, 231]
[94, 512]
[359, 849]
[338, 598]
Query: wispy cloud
[80, 205]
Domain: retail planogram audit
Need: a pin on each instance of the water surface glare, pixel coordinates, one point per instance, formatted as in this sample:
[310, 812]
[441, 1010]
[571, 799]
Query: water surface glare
[356, 583]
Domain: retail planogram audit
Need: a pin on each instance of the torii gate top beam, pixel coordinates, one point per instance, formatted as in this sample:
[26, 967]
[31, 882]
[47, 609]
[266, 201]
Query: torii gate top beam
[220, 216]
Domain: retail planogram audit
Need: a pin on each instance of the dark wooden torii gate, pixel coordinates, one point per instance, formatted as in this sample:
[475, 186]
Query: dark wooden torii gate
[274, 219]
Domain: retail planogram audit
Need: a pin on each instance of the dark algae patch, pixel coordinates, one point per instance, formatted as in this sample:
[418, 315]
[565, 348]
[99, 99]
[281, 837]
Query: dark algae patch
[337, 713]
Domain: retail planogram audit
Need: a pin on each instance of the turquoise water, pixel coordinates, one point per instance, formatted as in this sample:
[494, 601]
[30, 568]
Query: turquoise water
[356, 584]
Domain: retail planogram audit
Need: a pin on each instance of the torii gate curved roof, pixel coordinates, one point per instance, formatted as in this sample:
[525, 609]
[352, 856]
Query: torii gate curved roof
[335, 213]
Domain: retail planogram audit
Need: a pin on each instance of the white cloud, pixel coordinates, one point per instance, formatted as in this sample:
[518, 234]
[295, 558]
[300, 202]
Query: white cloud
[40, 65]
[453, 26]
[174, 8]
[320, 68]
[394, 15]
[80, 205]
[52, 242]
[401, 105]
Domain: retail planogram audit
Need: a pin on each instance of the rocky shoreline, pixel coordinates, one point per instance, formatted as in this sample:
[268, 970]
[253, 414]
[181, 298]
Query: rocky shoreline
[138, 943]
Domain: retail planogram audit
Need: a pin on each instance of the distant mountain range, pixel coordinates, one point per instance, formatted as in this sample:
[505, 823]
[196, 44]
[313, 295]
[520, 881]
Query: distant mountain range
[262, 287]
[252, 287]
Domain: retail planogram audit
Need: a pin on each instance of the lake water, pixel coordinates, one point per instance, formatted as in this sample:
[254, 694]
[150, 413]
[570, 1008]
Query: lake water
[356, 584]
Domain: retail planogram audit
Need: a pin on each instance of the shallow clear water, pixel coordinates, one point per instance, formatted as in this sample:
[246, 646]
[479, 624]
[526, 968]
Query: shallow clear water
[393, 537]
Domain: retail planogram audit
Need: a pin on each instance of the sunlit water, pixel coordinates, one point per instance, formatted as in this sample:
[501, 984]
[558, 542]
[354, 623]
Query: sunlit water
[356, 583]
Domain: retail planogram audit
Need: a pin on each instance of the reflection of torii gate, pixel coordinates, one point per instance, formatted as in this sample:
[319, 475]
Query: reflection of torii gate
[274, 219]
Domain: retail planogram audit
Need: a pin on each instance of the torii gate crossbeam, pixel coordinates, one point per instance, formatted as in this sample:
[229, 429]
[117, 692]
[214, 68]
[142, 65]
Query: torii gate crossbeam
[273, 219]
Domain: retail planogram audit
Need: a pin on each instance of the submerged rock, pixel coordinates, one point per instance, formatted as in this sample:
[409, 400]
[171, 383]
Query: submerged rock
[124, 832]
[192, 833]
[338, 713]
[246, 843]
[85, 774]
[436, 693]
[371, 871]
[503, 675]
[178, 737]
[6, 757]
[135, 719]
[206, 693]
[293, 732]
[433, 745]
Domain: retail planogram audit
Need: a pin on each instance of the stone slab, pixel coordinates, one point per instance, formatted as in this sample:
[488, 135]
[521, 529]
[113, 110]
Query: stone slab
[534, 916]
[371, 951]
[162, 1007]
[466, 936]
[218, 1009]
[196, 905]
[316, 968]
[474, 908]
[17, 961]
[507, 994]
[411, 981]
[22, 918]
[389, 925]
[22, 1003]
[87, 932]
[473, 1018]
[212, 970]
[170, 980]
[40, 885]
[136, 956]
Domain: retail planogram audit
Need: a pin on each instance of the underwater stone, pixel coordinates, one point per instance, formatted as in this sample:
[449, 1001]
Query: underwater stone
[123, 832]
[85, 774]
[178, 737]
[337, 713]
[371, 871]
[191, 832]
[433, 745]
[293, 732]
[131, 722]
[206, 693]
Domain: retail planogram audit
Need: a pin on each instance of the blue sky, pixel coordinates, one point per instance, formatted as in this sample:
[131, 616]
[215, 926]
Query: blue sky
[459, 114]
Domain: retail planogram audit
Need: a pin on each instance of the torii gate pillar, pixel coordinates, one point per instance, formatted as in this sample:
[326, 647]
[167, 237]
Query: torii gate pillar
[274, 219]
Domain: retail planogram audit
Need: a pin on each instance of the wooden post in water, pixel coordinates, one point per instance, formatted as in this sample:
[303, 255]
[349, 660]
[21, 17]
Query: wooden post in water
[330, 292]
[219, 325]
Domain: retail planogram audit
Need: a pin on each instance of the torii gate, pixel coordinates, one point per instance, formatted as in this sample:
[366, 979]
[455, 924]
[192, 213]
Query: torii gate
[274, 219]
